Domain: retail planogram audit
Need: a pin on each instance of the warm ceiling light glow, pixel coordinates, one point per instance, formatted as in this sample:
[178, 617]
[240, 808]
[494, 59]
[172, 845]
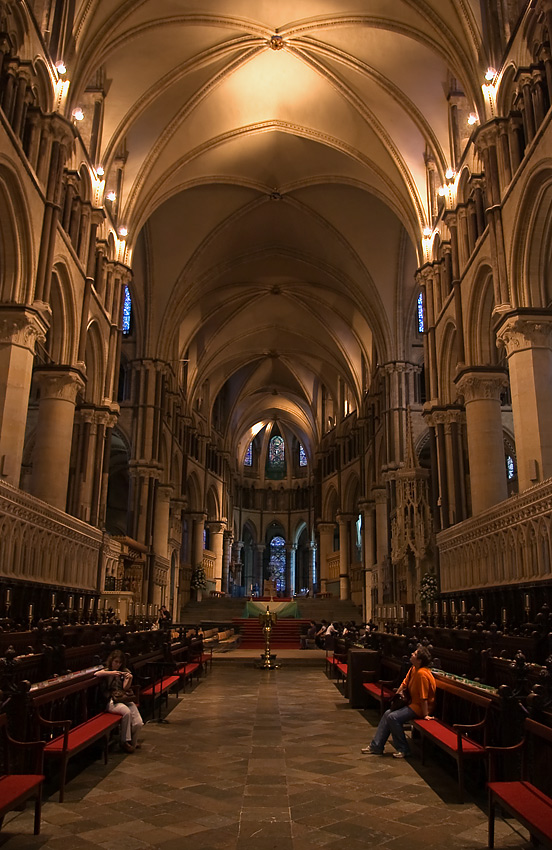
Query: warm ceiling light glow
[123, 232]
[442, 191]
[449, 173]
[472, 119]
[490, 75]
[60, 67]
[100, 171]
[78, 114]
[427, 232]
[111, 196]
[256, 428]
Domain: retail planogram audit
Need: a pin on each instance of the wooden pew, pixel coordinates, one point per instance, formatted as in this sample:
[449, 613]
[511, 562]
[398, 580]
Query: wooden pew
[16, 788]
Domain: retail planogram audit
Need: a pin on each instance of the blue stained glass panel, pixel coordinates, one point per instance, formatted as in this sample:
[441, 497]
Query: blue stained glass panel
[248, 459]
[276, 454]
[302, 456]
[421, 313]
[510, 467]
[277, 563]
[127, 310]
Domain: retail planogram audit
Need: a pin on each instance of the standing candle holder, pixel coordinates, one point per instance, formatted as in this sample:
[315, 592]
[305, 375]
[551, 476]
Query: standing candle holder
[267, 619]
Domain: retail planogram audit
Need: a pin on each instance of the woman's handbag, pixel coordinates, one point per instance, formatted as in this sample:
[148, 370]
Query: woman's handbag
[400, 700]
[123, 696]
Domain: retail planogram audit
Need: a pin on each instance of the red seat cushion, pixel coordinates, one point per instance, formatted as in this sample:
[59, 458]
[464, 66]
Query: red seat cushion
[444, 734]
[161, 686]
[341, 666]
[17, 786]
[188, 669]
[376, 690]
[527, 801]
[86, 732]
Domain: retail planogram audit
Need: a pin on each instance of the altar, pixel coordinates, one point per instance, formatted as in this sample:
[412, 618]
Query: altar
[284, 608]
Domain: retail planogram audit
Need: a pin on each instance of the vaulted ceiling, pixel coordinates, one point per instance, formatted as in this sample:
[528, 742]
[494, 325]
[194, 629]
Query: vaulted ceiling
[274, 181]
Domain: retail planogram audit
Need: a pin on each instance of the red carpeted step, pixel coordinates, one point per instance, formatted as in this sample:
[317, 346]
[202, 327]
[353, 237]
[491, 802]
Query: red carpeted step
[285, 633]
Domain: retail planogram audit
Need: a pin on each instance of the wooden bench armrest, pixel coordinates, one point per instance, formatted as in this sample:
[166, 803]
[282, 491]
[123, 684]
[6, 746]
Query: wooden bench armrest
[65, 724]
[466, 726]
[492, 752]
[369, 676]
[37, 746]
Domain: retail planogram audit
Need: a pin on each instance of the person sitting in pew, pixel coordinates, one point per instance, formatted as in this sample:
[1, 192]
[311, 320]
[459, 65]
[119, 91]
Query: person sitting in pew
[116, 681]
[418, 687]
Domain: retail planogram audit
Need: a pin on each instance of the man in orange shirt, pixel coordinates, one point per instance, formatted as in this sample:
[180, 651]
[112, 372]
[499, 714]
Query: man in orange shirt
[419, 684]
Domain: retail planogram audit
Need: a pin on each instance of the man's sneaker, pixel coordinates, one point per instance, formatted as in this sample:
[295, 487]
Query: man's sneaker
[400, 755]
[368, 751]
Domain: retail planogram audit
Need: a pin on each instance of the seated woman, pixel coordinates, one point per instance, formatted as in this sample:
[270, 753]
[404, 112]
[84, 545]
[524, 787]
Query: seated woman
[115, 684]
[419, 683]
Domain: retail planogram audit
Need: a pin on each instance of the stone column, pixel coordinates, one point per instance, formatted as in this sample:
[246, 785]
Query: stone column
[326, 532]
[291, 549]
[226, 557]
[527, 337]
[20, 328]
[344, 521]
[258, 576]
[216, 530]
[197, 539]
[382, 535]
[368, 553]
[481, 389]
[54, 433]
[161, 520]
[312, 571]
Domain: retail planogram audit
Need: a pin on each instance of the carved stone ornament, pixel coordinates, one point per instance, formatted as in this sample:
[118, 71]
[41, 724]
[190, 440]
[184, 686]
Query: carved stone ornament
[519, 333]
[276, 42]
[22, 329]
[63, 385]
[481, 386]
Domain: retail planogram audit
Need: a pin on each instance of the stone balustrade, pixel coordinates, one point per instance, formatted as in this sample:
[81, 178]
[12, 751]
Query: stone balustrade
[510, 543]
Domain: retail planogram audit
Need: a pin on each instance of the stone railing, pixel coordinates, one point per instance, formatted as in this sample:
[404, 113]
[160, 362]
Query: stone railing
[510, 543]
[333, 566]
[209, 560]
[43, 544]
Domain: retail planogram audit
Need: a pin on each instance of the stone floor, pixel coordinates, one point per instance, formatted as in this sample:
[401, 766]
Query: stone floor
[255, 760]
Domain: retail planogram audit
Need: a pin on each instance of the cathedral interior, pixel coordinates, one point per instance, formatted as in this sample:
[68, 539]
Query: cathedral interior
[275, 305]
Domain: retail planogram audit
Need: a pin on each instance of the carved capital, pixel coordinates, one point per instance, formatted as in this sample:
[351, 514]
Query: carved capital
[198, 517]
[521, 331]
[59, 382]
[164, 492]
[216, 527]
[476, 385]
[21, 327]
[326, 527]
[380, 495]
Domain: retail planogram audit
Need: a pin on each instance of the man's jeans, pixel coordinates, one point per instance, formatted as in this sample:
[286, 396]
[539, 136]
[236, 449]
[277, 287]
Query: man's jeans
[392, 724]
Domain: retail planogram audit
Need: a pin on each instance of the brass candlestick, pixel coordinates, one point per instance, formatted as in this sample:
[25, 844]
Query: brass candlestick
[267, 620]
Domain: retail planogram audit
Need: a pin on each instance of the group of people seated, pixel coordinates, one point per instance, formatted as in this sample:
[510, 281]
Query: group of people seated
[319, 632]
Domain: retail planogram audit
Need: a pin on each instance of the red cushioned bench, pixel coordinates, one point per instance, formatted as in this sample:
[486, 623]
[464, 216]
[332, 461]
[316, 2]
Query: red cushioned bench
[16, 788]
[336, 664]
[521, 798]
[456, 739]
[161, 687]
[72, 693]
[380, 686]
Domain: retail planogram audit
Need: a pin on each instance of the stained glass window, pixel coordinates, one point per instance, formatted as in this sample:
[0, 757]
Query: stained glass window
[127, 311]
[276, 454]
[277, 563]
[302, 456]
[248, 459]
[510, 467]
[421, 313]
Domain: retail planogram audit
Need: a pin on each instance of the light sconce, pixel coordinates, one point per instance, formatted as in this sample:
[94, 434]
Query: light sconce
[449, 173]
[78, 114]
[472, 118]
[123, 231]
[100, 171]
[490, 74]
[60, 68]
[427, 231]
[111, 196]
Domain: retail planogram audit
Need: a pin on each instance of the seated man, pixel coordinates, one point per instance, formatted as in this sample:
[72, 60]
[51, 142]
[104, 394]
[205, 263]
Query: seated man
[308, 636]
[419, 684]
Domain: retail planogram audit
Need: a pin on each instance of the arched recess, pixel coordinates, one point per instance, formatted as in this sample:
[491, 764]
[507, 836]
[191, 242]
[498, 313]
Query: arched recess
[480, 337]
[61, 341]
[116, 521]
[95, 359]
[531, 276]
[16, 254]
[212, 505]
[331, 505]
[448, 362]
[351, 495]
[193, 494]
